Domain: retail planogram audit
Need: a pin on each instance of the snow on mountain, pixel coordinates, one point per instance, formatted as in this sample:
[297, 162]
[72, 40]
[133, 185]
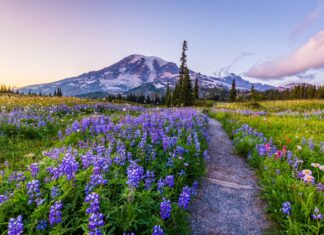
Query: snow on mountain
[132, 72]
[292, 85]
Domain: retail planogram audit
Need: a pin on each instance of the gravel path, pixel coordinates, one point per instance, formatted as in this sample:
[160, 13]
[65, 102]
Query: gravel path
[227, 201]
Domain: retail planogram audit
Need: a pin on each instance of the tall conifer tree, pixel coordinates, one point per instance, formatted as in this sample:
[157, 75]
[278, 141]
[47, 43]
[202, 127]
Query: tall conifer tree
[233, 91]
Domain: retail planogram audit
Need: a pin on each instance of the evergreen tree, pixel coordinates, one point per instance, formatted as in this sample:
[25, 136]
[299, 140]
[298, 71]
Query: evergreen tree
[253, 93]
[196, 90]
[168, 96]
[177, 94]
[187, 98]
[233, 92]
[148, 99]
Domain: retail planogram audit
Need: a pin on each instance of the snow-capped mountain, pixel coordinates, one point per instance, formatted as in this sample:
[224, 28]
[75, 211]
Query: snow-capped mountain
[136, 72]
[292, 85]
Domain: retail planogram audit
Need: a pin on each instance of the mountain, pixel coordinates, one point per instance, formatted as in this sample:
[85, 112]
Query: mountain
[136, 73]
[292, 85]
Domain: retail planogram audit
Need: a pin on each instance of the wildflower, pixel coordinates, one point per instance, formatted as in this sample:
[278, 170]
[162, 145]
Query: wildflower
[306, 172]
[184, 198]
[42, 225]
[317, 215]
[69, 166]
[33, 190]
[134, 174]
[55, 215]
[320, 187]
[311, 145]
[161, 184]
[15, 226]
[55, 192]
[149, 179]
[299, 147]
[95, 180]
[157, 230]
[96, 220]
[315, 165]
[169, 181]
[3, 198]
[309, 179]
[165, 209]
[194, 188]
[34, 168]
[321, 167]
[93, 198]
[286, 208]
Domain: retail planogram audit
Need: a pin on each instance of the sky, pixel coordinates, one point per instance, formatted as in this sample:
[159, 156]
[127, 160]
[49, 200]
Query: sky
[272, 42]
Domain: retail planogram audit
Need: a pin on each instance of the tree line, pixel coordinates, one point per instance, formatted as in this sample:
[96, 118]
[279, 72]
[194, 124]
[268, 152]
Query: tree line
[301, 91]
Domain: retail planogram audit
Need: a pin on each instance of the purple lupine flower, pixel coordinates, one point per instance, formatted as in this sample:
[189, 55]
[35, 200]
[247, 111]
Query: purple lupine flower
[286, 208]
[16, 226]
[93, 198]
[41, 225]
[96, 179]
[96, 220]
[182, 172]
[60, 135]
[69, 166]
[3, 198]
[322, 146]
[205, 154]
[157, 230]
[135, 174]
[165, 209]
[17, 177]
[55, 214]
[161, 184]
[33, 190]
[311, 144]
[149, 179]
[317, 215]
[194, 188]
[54, 171]
[261, 150]
[184, 198]
[55, 192]
[34, 168]
[320, 187]
[169, 181]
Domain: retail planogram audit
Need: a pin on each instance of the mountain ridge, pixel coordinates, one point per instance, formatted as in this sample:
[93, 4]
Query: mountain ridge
[134, 71]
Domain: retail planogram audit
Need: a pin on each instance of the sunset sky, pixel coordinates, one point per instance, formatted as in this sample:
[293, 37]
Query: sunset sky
[269, 41]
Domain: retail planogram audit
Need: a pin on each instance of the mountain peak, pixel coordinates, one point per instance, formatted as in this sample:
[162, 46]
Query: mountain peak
[135, 71]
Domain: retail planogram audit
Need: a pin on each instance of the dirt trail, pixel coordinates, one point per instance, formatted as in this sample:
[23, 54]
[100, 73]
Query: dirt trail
[227, 202]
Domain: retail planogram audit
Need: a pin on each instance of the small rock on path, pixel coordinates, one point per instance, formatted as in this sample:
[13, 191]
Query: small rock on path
[227, 202]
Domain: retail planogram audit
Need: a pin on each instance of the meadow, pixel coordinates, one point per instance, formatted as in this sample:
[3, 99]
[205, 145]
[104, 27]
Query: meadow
[284, 142]
[77, 166]
[71, 166]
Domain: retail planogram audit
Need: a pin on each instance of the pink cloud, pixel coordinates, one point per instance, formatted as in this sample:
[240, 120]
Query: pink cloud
[308, 56]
